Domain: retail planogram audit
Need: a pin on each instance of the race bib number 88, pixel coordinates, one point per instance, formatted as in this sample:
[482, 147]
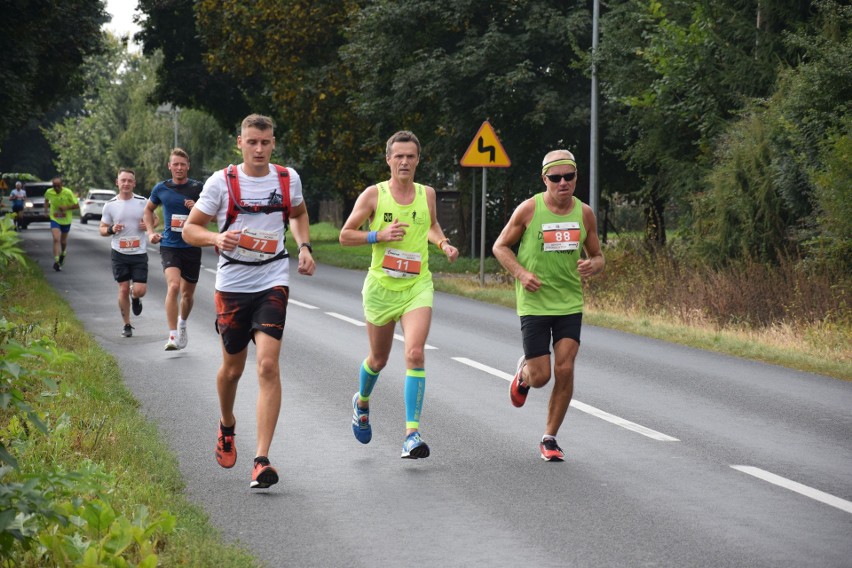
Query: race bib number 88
[561, 236]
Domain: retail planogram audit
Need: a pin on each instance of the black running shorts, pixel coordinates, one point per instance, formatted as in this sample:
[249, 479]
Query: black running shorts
[188, 260]
[538, 331]
[240, 315]
[130, 267]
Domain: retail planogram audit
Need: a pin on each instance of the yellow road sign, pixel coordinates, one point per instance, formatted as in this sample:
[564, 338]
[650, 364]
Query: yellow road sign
[3, 184]
[486, 151]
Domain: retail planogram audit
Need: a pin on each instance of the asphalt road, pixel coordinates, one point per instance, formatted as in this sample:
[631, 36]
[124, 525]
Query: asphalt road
[675, 456]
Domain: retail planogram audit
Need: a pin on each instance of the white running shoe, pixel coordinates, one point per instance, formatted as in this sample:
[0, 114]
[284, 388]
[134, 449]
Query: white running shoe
[182, 337]
[171, 345]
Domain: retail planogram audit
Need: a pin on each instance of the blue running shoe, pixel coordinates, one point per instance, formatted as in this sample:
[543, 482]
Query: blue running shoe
[414, 447]
[361, 422]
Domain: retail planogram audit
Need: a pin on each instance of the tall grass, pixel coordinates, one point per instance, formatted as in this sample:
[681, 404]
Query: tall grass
[795, 313]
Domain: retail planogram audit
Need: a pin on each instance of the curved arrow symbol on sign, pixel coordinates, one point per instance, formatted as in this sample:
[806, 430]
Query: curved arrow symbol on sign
[482, 148]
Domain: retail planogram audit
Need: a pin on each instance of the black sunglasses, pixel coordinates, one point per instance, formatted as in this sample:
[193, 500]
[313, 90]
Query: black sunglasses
[556, 178]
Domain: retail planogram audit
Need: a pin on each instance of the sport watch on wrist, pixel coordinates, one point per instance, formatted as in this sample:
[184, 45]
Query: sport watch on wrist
[308, 246]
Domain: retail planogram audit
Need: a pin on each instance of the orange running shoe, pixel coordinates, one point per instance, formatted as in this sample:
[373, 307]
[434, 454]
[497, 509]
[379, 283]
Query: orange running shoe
[550, 450]
[518, 391]
[226, 450]
[263, 475]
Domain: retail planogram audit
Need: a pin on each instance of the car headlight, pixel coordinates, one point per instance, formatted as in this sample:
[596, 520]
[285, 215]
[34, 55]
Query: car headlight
[28, 205]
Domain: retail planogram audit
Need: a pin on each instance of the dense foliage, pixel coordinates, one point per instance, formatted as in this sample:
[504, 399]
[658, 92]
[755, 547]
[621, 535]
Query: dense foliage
[44, 43]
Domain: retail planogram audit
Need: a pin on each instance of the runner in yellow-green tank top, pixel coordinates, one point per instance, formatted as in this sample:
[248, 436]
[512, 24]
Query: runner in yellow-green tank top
[400, 265]
[553, 228]
[398, 286]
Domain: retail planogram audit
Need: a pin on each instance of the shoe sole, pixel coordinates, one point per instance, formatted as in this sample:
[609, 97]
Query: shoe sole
[363, 436]
[171, 347]
[420, 452]
[264, 479]
[553, 459]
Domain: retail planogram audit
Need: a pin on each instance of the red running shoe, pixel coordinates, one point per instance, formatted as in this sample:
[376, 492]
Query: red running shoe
[550, 450]
[263, 475]
[226, 450]
[518, 390]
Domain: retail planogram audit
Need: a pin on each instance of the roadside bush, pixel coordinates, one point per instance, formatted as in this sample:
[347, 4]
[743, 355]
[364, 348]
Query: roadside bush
[50, 515]
[744, 294]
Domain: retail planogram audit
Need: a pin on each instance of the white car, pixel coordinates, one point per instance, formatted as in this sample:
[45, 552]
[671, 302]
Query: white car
[92, 207]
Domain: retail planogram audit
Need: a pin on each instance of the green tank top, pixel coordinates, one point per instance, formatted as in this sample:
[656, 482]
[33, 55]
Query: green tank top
[550, 249]
[398, 265]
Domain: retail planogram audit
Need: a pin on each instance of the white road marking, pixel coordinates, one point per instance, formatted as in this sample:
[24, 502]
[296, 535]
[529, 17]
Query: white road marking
[302, 304]
[815, 494]
[347, 319]
[581, 406]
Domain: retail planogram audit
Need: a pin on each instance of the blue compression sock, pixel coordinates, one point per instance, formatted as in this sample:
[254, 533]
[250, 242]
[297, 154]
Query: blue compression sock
[367, 381]
[415, 386]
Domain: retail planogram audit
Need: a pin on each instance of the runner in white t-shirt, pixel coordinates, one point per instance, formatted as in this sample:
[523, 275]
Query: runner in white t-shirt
[122, 220]
[252, 280]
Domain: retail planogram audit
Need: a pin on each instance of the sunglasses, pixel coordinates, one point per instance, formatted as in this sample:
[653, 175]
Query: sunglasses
[556, 178]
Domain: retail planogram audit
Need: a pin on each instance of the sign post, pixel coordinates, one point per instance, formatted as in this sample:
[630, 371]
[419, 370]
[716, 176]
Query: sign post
[485, 151]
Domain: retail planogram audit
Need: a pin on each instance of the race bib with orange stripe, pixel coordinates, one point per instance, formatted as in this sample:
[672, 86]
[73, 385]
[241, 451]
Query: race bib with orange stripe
[401, 264]
[560, 236]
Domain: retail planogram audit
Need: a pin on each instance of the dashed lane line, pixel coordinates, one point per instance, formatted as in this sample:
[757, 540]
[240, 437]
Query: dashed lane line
[581, 406]
[815, 494]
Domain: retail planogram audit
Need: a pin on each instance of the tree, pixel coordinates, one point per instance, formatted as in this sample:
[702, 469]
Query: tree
[674, 73]
[285, 54]
[121, 128]
[183, 77]
[440, 68]
[797, 197]
[43, 49]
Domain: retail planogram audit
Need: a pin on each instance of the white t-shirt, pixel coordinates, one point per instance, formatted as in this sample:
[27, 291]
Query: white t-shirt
[128, 212]
[257, 227]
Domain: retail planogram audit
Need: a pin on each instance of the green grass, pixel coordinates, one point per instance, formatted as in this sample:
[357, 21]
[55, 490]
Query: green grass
[107, 428]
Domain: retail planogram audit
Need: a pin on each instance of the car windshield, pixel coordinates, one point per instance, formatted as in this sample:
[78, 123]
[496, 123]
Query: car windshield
[101, 196]
[37, 190]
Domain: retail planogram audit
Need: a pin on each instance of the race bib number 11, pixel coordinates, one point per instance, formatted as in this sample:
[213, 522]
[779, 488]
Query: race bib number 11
[561, 236]
[401, 264]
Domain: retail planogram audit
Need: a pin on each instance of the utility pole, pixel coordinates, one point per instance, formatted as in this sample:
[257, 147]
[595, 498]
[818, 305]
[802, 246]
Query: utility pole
[594, 190]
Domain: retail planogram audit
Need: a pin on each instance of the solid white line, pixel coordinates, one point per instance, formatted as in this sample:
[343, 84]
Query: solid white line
[210, 270]
[347, 319]
[581, 406]
[815, 494]
[302, 304]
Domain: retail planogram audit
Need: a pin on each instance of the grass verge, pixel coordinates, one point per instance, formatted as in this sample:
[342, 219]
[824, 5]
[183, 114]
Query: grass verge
[94, 419]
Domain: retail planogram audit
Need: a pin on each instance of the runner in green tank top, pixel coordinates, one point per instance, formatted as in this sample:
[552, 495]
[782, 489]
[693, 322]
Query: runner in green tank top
[398, 286]
[553, 228]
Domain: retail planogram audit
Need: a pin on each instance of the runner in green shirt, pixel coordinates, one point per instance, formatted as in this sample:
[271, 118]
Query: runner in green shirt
[553, 228]
[61, 201]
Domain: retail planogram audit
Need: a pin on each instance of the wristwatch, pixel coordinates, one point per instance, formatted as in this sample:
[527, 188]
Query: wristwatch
[308, 246]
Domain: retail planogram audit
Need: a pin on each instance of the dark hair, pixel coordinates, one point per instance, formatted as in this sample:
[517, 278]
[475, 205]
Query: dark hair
[258, 121]
[128, 170]
[402, 136]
